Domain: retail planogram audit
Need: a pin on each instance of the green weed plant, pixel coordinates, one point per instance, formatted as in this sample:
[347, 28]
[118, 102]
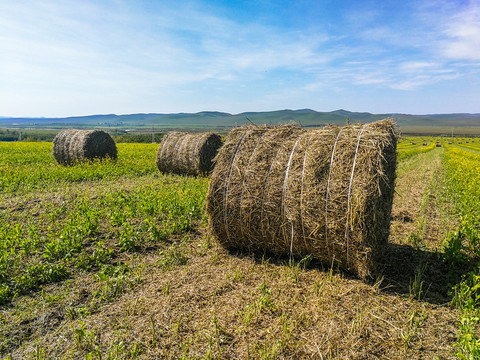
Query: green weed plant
[462, 249]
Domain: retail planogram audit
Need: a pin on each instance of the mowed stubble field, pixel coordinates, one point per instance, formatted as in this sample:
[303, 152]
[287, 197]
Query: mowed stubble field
[112, 260]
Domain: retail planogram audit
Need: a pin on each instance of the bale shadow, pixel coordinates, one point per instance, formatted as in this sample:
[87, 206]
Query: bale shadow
[401, 271]
[405, 268]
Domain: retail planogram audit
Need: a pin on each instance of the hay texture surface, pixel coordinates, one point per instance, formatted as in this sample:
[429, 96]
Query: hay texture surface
[72, 145]
[187, 154]
[325, 192]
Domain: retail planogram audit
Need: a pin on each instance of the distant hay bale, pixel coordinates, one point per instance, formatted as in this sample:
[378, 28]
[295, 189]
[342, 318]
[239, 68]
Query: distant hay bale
[72, 145]
[325, 192]
[187, 154]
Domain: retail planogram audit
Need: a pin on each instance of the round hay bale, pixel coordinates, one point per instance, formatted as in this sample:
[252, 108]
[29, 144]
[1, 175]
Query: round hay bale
[325, 192]
[187, 154]
[72, 145]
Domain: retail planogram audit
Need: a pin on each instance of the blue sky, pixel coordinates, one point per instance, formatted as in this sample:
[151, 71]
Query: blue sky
[81, 57]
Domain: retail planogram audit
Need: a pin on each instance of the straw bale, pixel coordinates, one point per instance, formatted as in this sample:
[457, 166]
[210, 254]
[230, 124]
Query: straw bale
[187, 154]
[324, 192]
[73, 145]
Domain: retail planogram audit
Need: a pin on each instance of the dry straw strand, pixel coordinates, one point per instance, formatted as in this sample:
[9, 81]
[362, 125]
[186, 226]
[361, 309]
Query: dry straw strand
[294, 191]
[73, 145]
[244, 178]
[301, 189]
[187, 154]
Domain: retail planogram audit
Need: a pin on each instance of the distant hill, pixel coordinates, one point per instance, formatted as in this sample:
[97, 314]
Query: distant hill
[218, 120]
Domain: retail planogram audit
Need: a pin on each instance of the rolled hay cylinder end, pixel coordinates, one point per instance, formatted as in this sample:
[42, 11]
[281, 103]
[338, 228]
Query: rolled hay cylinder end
[187, 154]
[73, 145]
[325, 192]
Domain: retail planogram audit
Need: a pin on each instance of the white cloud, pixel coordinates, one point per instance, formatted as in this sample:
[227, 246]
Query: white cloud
[463, 33]
[180, 40]
[411, 84]
[415, 66]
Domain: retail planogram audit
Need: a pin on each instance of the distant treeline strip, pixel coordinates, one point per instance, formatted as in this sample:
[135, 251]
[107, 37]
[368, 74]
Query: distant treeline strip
[10, 135]
[139, 138]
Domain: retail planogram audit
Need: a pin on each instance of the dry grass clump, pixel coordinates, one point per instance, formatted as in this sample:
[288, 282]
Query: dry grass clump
[187, 154]
[326, 192]
[72, 145]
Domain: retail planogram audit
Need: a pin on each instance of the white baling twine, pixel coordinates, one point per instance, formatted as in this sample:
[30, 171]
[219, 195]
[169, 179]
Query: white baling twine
[178, 149]
[301, 189]
[347, 227]
[328, 189]
[164, 145]
[179, 143]
[284, 192]
[265, 186]
[225, 185]
[196, 147]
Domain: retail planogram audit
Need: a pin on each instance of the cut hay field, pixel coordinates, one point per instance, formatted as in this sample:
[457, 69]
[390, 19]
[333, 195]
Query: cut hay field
[112, 260]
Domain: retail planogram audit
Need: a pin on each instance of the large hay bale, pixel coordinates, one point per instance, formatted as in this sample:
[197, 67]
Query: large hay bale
[72, 145]
[325, 192]
[187, 154]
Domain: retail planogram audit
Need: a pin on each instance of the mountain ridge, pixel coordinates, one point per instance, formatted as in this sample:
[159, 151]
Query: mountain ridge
[305, 117]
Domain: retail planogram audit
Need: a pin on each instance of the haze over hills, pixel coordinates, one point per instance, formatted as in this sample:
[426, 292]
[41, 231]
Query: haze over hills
[214, 119]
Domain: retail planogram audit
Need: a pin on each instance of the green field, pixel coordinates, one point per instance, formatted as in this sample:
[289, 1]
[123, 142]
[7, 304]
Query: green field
[112, 260]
